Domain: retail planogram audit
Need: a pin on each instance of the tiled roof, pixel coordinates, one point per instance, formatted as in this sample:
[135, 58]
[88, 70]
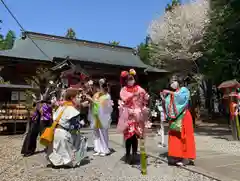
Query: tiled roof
[61, 47]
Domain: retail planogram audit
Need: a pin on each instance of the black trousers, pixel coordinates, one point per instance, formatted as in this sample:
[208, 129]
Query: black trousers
[131, 143]
[30, 141]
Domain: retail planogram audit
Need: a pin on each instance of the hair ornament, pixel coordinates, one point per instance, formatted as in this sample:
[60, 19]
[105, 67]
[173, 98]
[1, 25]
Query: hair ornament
[132, 72]
[90, 82]
[102, 81]
[124, 74]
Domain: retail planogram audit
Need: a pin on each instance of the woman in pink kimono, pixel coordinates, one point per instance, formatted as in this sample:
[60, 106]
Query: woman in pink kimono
[133, 113]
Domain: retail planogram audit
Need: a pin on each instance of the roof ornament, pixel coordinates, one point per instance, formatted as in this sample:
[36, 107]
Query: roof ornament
[23, 35]
[135, 51]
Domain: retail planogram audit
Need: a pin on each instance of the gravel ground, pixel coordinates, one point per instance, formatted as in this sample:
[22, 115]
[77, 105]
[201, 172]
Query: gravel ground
[218, 145]
[204, 142]
[10, 148]
[15, 168]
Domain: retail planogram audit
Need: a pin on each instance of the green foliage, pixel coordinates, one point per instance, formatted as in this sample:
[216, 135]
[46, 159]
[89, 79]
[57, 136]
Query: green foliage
[1, 38]
[71, 34]
[114, 43]
[9, 40]
[144, 52]
[221, 42]
[174, 3]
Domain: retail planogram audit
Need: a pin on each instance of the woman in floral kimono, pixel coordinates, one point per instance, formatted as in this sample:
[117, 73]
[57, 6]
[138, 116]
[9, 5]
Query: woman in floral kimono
[181, 142]
[133, 113]
[100, 116]
[69, 147]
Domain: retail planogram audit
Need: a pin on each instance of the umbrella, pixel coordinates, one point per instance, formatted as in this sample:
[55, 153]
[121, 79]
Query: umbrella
[229, 84]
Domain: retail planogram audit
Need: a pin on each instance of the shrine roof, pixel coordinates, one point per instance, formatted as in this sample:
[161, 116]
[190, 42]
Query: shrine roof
[43, 47]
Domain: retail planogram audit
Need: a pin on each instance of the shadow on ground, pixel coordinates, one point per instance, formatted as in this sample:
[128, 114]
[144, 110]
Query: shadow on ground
[85, 161]
[91, 149]
[39, 152]
[216, 131]
[137, 159]
[164, 155]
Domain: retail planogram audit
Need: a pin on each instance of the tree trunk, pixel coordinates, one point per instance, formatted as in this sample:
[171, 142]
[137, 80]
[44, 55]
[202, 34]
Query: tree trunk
[209, 97]
[202, 95]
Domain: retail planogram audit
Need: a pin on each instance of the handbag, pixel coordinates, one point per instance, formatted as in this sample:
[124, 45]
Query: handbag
[47, 136]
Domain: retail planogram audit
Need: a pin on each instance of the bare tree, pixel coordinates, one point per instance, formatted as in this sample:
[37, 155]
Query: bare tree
[177, 35]
[41, 80]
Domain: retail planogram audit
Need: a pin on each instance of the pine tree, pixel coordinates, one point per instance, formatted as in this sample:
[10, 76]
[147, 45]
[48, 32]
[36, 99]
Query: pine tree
[172, 5]
[221, 42]
[71, 34]
[114, 43]
[9, 40]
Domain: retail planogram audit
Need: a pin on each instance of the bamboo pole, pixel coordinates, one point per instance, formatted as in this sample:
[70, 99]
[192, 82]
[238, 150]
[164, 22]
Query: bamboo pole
[143, 157]
[237, 125]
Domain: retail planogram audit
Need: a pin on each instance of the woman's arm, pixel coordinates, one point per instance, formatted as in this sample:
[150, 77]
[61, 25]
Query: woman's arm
[167, 92]
[125, 97]
[84, 104]
[89, 98]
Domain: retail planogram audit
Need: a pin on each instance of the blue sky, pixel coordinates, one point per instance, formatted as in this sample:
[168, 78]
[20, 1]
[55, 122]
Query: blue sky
[96, 20]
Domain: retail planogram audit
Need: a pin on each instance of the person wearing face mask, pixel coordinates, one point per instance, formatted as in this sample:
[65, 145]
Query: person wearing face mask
[133, 113]
[181, 141]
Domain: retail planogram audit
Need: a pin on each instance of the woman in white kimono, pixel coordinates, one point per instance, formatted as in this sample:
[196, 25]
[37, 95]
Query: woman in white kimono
[69, 147]
[100, 116]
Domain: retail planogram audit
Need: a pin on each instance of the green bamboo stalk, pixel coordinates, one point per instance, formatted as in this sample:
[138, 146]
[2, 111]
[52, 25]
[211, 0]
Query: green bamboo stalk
[238, 127]
[143, 157]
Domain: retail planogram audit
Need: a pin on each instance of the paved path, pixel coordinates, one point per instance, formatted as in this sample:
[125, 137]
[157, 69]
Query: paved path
[215, 157]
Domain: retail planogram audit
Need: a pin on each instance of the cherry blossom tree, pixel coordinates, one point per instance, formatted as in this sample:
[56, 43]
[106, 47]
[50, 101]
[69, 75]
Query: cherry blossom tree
[177, 35]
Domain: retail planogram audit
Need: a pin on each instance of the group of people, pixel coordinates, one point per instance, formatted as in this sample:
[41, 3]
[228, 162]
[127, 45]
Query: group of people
[69, 146]
[133, 116]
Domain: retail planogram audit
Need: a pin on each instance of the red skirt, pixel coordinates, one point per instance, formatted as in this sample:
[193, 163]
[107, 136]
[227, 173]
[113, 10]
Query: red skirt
[182, 144]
